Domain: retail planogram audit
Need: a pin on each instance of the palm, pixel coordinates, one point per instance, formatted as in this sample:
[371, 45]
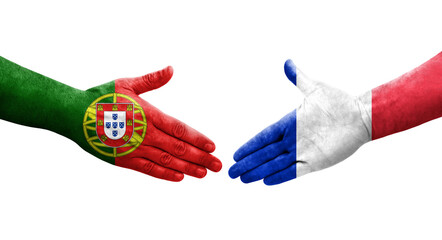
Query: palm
[330, 128]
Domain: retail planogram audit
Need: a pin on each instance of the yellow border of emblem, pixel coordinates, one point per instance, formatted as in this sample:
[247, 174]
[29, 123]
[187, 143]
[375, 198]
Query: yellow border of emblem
[89, 124]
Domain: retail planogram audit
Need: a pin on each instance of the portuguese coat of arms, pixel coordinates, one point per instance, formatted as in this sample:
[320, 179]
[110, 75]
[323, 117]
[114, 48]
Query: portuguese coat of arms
[114, 123]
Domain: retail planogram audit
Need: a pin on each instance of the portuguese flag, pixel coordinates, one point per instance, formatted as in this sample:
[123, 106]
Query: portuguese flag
[109, 121]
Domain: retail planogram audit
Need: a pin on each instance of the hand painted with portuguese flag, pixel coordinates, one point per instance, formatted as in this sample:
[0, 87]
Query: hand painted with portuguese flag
[109, 121]
[331, 125]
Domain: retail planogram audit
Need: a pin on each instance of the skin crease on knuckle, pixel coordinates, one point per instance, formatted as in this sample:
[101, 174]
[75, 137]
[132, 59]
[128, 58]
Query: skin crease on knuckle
[179, 130]
[165, 159]
[147, 167]
[147, 81]
[179, 148]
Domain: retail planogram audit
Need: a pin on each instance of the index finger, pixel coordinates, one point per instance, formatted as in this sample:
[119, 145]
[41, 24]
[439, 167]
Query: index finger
[269, 135]
[182, 131]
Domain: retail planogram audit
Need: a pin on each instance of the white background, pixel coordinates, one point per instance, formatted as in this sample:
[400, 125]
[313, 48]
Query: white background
[229, 84]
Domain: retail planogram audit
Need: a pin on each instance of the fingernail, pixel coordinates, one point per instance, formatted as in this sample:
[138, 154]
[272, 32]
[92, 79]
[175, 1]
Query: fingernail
[178, 177]
[201, 172]
[232, 173]
[216, 166]
[209, 147]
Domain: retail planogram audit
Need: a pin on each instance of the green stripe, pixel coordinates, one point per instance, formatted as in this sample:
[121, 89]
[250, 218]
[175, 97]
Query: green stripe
[31, 99]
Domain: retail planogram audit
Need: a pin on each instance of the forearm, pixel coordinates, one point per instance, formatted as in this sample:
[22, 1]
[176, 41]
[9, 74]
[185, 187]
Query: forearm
[408, 101]
[31, 99]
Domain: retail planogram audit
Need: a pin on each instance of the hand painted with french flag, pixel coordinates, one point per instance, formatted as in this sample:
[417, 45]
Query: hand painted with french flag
[331, 125]
[327, 128]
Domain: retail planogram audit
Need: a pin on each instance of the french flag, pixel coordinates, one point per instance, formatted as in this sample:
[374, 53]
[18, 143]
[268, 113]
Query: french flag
[331, 124]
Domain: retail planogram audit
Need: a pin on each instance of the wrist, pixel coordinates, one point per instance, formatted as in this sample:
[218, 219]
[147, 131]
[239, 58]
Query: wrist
[364, 105]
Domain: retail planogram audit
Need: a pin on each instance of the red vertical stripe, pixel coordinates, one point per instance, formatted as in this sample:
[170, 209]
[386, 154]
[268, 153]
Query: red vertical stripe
[410, 100]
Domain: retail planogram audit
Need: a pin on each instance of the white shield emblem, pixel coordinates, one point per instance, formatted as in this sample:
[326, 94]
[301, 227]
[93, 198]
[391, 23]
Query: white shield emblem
[115, 124]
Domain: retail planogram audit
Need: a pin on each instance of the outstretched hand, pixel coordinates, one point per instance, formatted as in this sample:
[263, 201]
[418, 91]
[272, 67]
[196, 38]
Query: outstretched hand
[328, 127]
[168, 148]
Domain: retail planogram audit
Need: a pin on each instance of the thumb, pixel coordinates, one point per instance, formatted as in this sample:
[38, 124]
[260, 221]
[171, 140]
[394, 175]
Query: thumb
[151, 81]
[304, 84]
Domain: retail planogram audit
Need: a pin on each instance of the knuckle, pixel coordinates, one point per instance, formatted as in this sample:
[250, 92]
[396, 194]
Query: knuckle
[167, 175]
[179, 148]
[197, 142]
[202, 159]
[179, 130]
[187, 168]
[165, 159]
[147, 167]
[151, 134]
[147, 80]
